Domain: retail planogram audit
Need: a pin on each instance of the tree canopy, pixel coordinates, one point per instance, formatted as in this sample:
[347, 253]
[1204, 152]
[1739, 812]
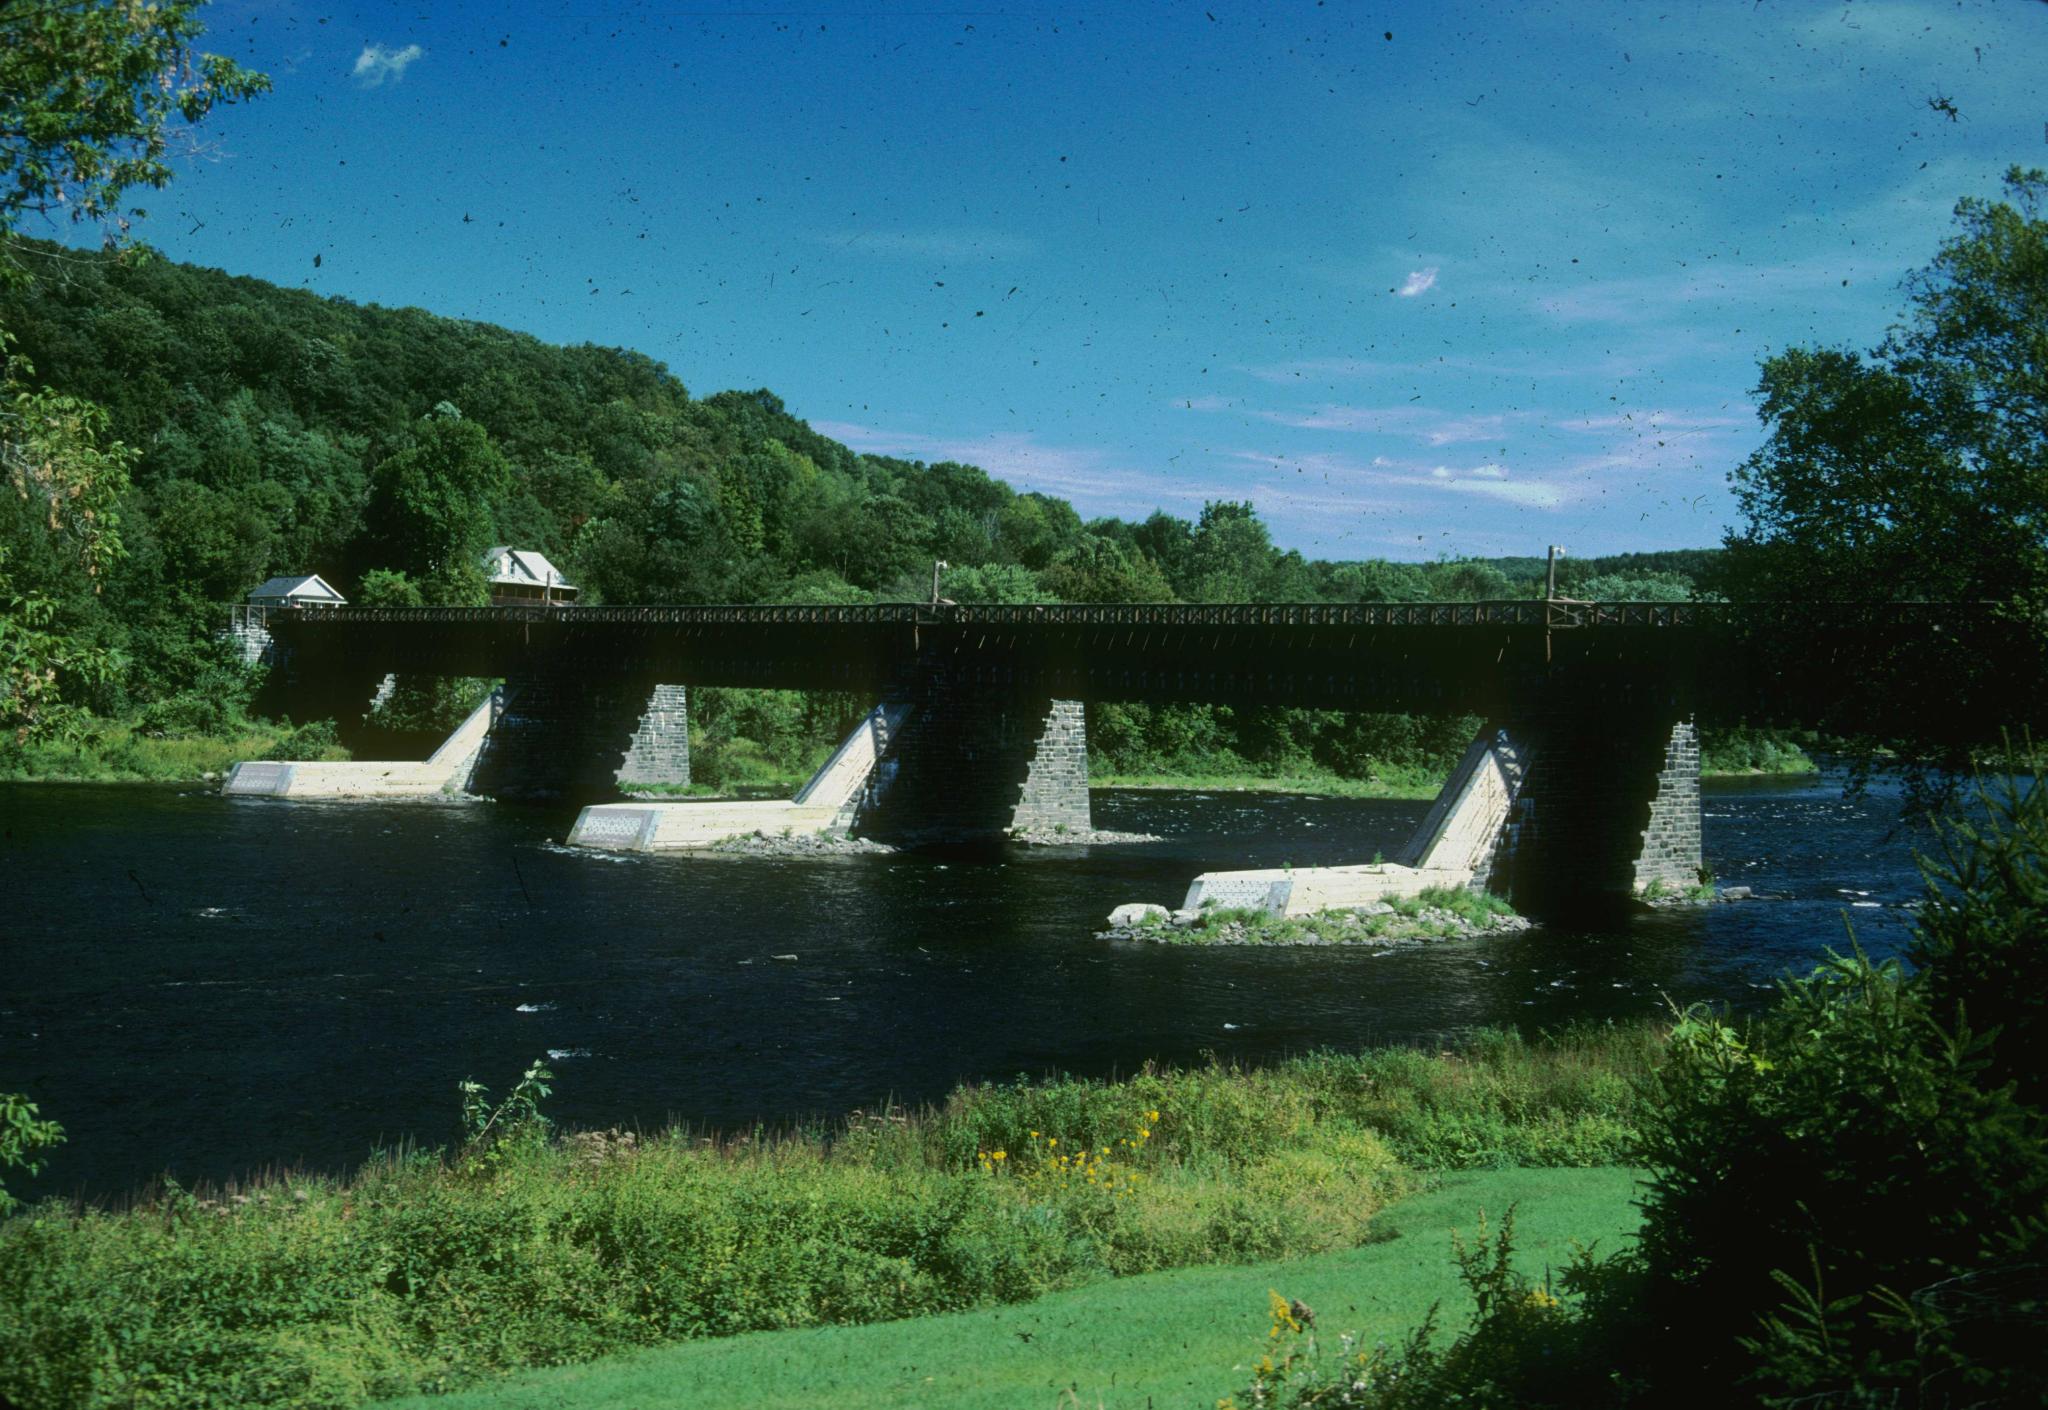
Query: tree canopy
[1915, 473]
[96, 98]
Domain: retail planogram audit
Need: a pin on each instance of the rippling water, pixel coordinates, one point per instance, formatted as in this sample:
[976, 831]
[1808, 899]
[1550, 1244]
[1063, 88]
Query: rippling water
[206, 987]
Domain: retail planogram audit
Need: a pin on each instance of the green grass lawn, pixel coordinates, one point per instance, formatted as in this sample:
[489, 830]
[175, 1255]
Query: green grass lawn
[1166, 1339]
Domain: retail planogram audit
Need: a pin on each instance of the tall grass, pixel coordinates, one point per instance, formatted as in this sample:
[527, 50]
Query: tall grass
[117, 752]
[429, 1271]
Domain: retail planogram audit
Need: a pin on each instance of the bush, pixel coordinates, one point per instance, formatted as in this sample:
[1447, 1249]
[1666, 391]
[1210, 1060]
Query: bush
[1849, 1147]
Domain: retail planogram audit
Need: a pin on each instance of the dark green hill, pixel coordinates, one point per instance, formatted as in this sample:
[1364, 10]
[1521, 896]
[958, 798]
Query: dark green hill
[280, 431]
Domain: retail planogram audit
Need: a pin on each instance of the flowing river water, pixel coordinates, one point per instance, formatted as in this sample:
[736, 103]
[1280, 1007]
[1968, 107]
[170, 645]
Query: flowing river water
[206, 988]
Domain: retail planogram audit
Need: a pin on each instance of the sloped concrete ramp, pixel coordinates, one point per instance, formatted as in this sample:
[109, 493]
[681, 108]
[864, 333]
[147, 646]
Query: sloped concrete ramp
[825, 804]
[1454, 846]
[445, 773]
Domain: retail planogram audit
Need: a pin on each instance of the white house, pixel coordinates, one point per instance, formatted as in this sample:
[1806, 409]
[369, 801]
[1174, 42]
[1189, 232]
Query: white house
[309, 590]
[520, 575]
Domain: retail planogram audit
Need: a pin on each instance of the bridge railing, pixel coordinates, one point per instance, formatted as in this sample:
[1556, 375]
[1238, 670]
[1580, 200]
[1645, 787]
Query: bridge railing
[1547, 615]
[1510, 613]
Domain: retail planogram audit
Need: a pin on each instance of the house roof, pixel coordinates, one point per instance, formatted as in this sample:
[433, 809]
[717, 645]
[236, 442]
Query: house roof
[300, 585]
[522, 565]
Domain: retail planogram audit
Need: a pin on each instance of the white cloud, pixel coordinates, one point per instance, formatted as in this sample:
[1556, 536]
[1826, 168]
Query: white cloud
[1419, 423]
[1421, 281]
[1487, 481]
[1533, 494]
[377, 65]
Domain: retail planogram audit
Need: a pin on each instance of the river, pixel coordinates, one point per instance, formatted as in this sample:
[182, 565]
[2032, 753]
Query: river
[208, 988]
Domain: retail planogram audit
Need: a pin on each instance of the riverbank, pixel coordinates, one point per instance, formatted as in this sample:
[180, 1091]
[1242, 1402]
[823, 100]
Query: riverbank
[1183, 1338]
[1416, 786]
[428, 1272]
[125, 752]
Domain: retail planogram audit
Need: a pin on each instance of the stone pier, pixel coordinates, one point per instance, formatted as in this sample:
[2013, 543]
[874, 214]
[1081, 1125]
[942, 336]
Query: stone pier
[1595, 802]
[973, 761]
[566, 737]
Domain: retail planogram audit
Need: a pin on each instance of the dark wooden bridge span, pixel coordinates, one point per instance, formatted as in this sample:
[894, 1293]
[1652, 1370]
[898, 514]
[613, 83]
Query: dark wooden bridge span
[1590, 709]
[1375, 656]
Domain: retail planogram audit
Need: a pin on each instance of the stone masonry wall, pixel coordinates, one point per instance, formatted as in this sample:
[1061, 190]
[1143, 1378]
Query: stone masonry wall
[1671, 838]
[253, 643]
[1055, 793]
[564, 737]
[660, 751]
[1610, 804]
[974, 761]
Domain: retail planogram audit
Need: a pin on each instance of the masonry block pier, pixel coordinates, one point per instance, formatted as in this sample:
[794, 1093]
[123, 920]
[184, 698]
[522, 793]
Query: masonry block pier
[976, 757]
[1593, 800]
[570, 737]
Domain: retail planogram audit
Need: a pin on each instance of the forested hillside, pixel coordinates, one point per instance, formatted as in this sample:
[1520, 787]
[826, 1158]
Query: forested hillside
[276, 431]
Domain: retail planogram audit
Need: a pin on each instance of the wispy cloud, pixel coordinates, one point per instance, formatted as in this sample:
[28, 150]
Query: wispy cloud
[1420, 281]
[1085, 474]
[1383, 477]
[377, 65]
[1417, 423]
[1720, 288]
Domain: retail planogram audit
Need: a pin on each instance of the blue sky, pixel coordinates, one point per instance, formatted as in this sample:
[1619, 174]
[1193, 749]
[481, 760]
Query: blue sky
[1497, 281]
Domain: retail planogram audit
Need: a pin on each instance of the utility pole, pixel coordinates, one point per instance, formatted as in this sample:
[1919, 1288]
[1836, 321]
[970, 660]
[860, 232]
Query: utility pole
[1550, 580]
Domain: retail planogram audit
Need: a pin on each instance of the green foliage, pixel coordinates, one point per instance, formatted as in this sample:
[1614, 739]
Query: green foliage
[1741, 749]
[742, 738]
[61, 535]
[1979, 945]
[492, 1135]
[1634, 587]
[95, 99]
[424, 1274]
[429, 510]
[1193, 739]
[387, 587]
[23, 1132]
[1912, 473]
[1846, 1196]
[1849, 1142]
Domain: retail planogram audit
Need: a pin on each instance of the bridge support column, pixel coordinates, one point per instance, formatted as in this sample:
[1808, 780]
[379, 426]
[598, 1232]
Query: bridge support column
[660, 751]
[975, 760]
[566, 737]
[1610, 808]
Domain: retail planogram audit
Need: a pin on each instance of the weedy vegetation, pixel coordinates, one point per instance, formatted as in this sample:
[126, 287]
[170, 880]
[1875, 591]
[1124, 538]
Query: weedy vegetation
[522, 1246]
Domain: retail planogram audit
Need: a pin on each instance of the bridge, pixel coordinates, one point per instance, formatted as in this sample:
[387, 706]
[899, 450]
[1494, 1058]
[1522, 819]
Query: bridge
[1589, 760]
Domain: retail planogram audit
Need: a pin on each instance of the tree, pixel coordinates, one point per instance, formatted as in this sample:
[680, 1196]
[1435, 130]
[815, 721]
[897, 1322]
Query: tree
[1230, 555]
[1100, 569]
[95, 99]
[67, 477]
[429, 508]
[1915, 473]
